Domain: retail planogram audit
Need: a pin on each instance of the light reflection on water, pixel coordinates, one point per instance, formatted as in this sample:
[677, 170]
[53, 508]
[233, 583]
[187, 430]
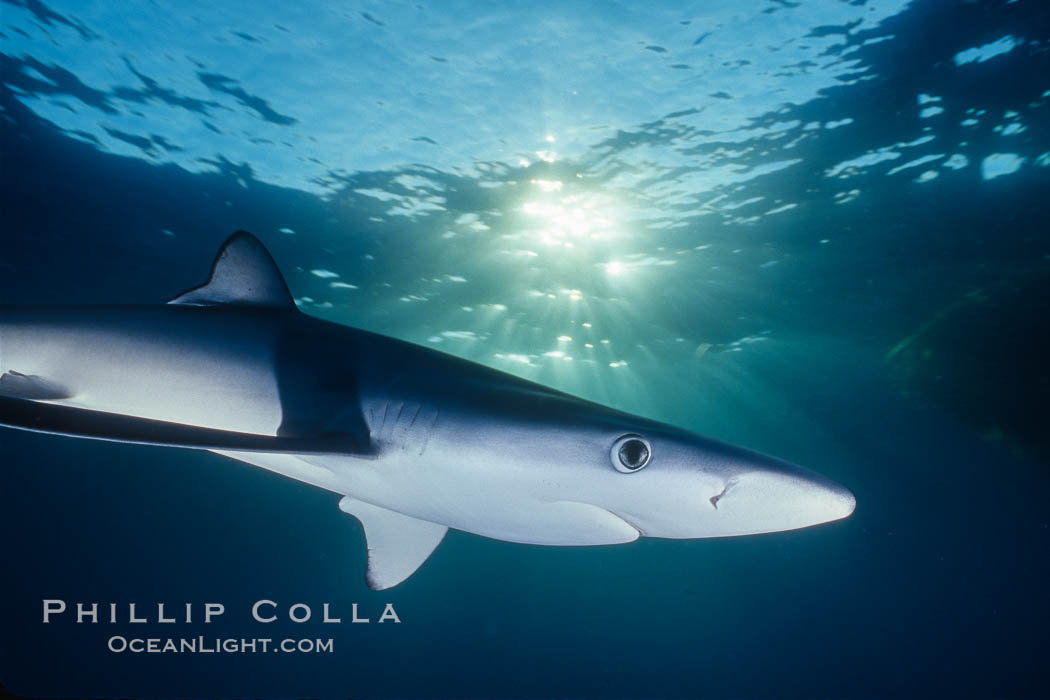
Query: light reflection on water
[558, 208]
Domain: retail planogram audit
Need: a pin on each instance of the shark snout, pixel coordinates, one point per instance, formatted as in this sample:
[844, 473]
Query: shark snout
[708, 488]
[776, 499]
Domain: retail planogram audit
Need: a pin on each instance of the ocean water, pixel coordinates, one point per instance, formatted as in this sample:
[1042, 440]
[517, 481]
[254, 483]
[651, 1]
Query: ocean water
[815, 229]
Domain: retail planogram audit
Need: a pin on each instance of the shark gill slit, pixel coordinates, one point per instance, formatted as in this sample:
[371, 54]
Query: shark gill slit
[382, 424]
[427, 428]
[407, 430]
[419, 407]
[391, 426]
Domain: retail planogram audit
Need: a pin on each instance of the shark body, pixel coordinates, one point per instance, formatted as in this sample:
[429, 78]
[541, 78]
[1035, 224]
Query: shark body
[416, 441]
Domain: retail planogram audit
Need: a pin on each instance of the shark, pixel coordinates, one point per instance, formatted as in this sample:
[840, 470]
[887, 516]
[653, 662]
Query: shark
[414, 441]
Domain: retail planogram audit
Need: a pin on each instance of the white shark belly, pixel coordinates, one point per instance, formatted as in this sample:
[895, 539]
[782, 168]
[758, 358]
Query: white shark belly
[471, 497]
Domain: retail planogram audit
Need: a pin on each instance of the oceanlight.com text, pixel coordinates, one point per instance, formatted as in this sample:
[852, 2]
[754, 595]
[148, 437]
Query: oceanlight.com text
[217, 645]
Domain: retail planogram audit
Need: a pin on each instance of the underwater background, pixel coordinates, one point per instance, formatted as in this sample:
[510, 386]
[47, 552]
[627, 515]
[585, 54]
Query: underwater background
[816, 229]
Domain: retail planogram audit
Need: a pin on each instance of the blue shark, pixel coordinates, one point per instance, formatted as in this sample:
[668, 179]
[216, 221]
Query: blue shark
[414, 441]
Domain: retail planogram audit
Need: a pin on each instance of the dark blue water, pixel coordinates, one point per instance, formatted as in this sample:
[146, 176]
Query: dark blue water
[818, 230]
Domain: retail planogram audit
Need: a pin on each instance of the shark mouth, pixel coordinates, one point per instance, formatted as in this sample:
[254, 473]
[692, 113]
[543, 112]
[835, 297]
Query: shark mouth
[719, 496]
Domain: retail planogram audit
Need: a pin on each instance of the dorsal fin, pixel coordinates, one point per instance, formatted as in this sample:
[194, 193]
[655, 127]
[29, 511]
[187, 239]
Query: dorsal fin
[243, 274]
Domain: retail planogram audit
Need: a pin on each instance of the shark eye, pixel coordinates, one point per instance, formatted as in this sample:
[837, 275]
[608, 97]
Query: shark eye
[630, 453]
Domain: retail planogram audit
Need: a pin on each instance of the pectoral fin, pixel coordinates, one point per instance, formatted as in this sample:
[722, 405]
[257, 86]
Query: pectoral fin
[397, 544]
